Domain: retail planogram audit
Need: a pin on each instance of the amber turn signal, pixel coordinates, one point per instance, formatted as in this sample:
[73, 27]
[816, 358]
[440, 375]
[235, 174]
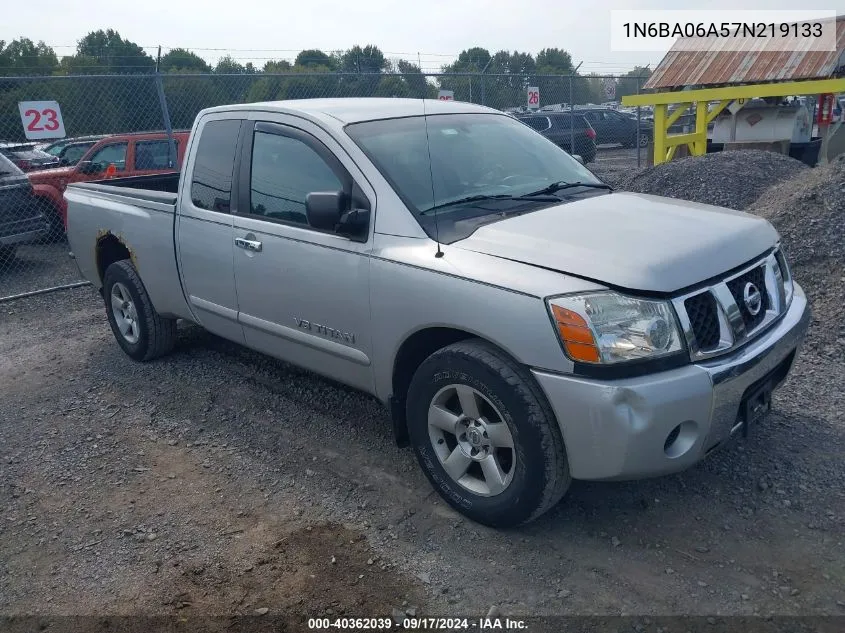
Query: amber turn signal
[576, 336]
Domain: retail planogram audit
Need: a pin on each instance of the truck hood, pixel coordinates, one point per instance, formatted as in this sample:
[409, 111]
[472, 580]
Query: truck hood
[629, 240]
[49, 175]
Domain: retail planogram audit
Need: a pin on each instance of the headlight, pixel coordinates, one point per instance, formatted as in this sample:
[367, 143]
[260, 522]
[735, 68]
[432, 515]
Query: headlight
[606, 327]
[786, 275]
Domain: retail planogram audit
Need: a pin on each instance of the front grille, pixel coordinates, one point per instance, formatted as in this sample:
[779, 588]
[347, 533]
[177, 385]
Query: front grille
[717, 319]
[704, 319]
[757, 277]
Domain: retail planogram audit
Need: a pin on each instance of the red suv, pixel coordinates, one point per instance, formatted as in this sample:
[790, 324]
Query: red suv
[117, 156]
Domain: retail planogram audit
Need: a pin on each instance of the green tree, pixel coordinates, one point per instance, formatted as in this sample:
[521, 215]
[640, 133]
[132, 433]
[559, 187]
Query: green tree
[179, 59]
[81, 65]
[228, 65]
[25, 57]
[115, 54]
[314, 58]
[466, 88]
[554, 61]
[369, 59]
[417, 84]
[627, 84]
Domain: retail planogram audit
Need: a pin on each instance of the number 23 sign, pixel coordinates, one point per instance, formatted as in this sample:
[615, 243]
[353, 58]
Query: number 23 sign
[41, 119]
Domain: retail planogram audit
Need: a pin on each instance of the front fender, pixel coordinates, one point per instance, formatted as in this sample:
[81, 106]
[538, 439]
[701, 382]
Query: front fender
[51, 194]
[406, 299]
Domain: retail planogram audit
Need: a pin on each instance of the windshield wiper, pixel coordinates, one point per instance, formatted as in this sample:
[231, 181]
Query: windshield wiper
[561, 185]
[533, 197]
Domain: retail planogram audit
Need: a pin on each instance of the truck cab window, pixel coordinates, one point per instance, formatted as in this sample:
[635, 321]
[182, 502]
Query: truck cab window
[154, 154]
[114, 154]
[211, 184]
[284, 171]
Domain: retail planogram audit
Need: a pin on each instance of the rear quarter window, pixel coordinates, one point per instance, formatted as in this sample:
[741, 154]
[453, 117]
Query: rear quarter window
[539, 123]
[565, 121]
[211, 180]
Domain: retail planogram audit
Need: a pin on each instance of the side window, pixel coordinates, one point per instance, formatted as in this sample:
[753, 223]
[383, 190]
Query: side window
[154, 154]
[211, 184]
[539, 123]
[284, 171]
[72, 154]
[114, 154]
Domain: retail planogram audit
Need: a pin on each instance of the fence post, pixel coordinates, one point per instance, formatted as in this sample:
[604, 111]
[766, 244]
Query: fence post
[165, 114]
[638, 125]
[571, 118]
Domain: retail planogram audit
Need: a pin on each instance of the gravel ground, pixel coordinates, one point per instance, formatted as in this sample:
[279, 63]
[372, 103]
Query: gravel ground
[809, 213]
[219, 481]
[615, 165]
[732, 179]
[35, 267]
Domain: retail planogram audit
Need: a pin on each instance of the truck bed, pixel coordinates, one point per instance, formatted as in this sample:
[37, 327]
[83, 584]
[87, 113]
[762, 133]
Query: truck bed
[139, 214]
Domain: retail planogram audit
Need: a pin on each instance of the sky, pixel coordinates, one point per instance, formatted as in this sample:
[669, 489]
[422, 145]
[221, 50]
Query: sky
[431, 31]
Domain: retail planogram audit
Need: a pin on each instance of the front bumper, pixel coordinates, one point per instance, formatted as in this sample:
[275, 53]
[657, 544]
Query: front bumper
[617, 429]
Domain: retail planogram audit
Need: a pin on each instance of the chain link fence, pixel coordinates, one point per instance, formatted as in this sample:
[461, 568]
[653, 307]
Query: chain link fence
[59, 130]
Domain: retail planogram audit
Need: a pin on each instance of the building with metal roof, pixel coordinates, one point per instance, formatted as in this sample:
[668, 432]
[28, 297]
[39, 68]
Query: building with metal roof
[754, 60]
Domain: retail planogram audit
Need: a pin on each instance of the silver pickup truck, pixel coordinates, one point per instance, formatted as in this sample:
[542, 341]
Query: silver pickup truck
[524, 324]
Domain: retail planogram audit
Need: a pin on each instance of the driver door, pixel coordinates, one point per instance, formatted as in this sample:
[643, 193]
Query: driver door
[303, 294]
[107, 161]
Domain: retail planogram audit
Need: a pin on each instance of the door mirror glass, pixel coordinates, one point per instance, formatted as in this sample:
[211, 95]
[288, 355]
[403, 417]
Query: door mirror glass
[324, 209]
[330, 211]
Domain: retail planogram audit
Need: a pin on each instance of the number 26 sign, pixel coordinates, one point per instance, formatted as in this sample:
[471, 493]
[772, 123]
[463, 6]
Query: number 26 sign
[533, 97]
[41, 119]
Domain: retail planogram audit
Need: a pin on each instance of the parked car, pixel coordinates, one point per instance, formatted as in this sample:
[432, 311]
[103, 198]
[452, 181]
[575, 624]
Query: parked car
[21, 219]
[524, 324]
[557, 128]
[70, 151]
[27, 157]
[613, 127]
[119, 155]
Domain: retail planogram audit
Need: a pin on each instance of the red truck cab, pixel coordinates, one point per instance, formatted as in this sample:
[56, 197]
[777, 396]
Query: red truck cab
[116, 156]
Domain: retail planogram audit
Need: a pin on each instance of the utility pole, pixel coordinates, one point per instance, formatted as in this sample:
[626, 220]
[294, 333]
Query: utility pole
[572, 110]
[484, 70]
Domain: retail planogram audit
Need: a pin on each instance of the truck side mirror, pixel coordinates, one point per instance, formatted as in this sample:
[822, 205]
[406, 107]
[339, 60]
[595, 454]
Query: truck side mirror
[324, 209]
[338, 212]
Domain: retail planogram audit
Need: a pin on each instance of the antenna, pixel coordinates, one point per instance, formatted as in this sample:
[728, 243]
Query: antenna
[439, 252]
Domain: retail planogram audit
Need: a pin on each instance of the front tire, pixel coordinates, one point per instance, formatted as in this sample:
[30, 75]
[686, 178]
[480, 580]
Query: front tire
[485, 435]
[137, 327]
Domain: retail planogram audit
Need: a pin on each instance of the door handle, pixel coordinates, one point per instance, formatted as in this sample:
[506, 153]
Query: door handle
[250, 245]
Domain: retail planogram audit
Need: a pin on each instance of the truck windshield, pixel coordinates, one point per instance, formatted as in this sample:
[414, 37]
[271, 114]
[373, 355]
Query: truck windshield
[466, 166]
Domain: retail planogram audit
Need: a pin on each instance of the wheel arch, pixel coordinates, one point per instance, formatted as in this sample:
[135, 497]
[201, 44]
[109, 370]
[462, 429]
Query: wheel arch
[411, 353]
[110, 249]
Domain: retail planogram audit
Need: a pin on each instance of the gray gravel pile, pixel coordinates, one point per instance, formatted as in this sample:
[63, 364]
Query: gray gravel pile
[728, 179]
[809, 213]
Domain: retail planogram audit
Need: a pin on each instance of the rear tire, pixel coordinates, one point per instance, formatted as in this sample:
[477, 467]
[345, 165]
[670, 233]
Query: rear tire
[137, 327]
[504, 462]
[56, 226]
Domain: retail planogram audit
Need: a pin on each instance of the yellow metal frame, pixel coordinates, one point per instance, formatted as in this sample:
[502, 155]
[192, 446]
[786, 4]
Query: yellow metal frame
[665, 144]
